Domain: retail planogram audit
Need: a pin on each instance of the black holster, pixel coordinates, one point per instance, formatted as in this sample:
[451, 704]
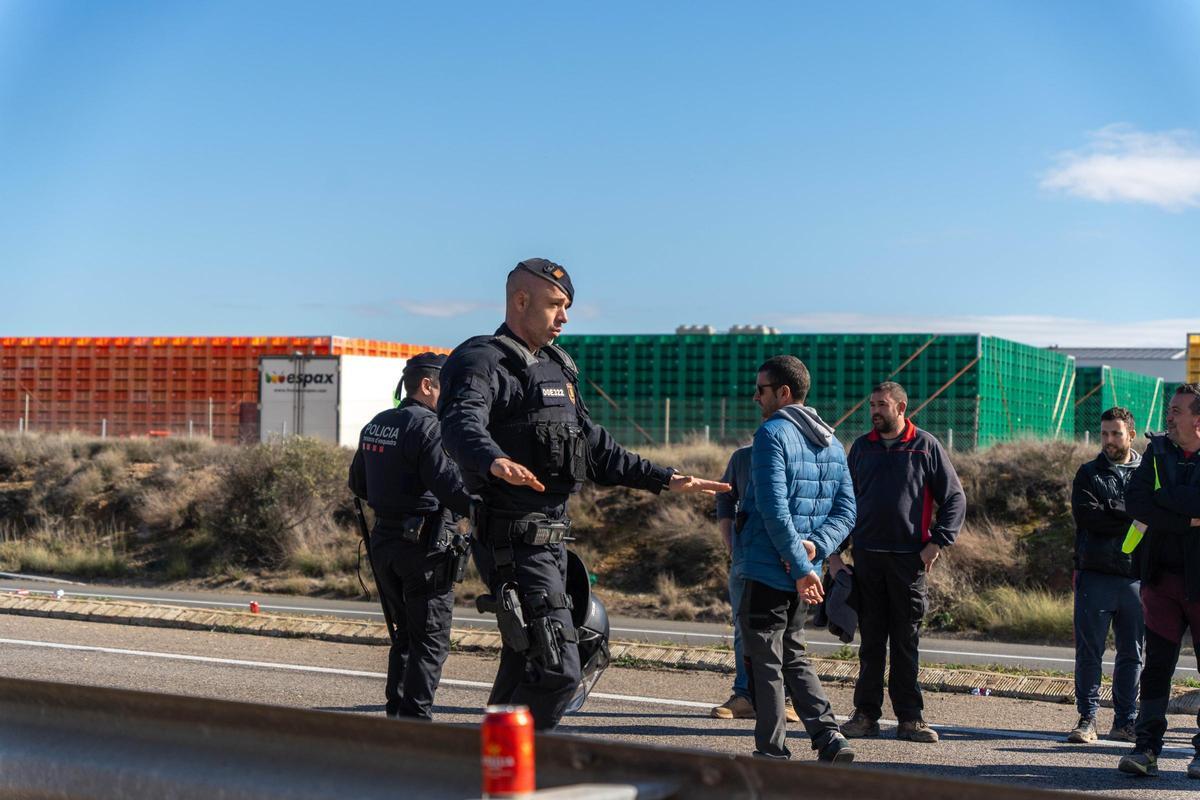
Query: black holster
[545, 642]
[460, 554]
[510, 619]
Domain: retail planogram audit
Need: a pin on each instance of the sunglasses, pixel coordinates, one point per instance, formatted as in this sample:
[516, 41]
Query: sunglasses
[759, 388]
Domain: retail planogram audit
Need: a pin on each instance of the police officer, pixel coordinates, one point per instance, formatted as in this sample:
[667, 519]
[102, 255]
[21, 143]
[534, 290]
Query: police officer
[417, 495]
[513, 420]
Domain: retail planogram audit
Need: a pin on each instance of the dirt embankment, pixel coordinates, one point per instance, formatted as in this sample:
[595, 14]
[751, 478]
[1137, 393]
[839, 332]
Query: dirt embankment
[278, 517]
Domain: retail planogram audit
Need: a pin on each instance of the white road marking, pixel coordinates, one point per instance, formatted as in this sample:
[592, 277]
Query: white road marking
[16, 576]
[237, 662]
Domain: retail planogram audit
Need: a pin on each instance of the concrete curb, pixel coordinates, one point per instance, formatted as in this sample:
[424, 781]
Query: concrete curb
[1025, 687]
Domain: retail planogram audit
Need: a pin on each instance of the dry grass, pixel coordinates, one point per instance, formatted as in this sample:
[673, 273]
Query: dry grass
[1009, 613]
[1021, 482]
[674, 602]
[78, 552]
[333, 554]
[278, 517]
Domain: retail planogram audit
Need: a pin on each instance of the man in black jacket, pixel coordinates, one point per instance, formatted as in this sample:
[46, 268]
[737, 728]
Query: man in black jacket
[1164, 495]
[514, 422]
[1106, 583]
[900, 474]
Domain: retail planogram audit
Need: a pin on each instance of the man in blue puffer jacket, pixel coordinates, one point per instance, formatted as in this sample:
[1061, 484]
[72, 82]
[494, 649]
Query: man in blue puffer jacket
[798, 509]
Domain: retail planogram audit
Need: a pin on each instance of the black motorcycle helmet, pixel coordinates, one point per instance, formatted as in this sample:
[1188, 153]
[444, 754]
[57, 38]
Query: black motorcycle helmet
[591, 624]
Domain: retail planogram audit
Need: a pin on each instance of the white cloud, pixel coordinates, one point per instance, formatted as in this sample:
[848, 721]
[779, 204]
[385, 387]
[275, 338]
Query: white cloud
[1042, 331]
[1123, 164]
[442, 309]
[585, 311]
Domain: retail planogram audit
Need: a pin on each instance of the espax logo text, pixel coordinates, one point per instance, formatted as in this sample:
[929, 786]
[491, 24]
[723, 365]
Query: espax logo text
[303, 380]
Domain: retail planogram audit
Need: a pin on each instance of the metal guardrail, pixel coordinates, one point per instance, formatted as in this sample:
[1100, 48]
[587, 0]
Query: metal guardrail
[77, 743]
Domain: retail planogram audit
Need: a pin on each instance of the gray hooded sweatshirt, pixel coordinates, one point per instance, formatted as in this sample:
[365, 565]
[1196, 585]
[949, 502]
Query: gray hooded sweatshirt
[806, 418]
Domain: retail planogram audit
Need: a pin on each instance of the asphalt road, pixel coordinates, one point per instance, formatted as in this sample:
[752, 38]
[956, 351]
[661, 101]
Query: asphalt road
[985, 738]
[933, 650]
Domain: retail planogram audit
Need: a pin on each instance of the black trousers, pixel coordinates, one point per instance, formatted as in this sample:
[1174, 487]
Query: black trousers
[520, 680]
[891, 590]
[415, 586]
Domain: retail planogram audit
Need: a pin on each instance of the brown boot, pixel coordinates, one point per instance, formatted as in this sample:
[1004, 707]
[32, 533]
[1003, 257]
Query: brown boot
[860, 726]
[916, 730]
[789, 711]
[736, 707]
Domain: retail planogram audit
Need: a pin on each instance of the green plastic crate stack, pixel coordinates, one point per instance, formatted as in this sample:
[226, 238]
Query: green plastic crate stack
[1100, 388]
[1025, 392]
[969, 389]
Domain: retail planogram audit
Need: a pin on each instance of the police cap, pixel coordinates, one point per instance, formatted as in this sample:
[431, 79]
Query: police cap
[548, 270]
[426, 361]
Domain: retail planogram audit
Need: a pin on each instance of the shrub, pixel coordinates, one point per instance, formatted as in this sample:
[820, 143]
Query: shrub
[273, 495]
[75, 491]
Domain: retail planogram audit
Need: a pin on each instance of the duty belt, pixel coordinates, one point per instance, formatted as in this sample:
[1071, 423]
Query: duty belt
[500, 528]
[414, 527]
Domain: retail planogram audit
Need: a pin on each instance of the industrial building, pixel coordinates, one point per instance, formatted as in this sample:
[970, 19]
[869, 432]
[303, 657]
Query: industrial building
[157, 385]
[1168, 363]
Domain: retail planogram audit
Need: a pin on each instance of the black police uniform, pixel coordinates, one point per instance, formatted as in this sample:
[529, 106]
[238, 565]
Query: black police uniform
[417, 496]
[499, 400]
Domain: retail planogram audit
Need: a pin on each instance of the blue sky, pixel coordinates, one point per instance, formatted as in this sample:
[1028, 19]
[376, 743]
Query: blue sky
[1026, 169]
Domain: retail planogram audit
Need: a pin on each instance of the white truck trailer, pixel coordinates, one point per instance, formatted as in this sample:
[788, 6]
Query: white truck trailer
[326, 397]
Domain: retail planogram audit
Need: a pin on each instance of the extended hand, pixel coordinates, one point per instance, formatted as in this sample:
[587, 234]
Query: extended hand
[810, 589]
[687, 483]
[510, 471]
[929, 554]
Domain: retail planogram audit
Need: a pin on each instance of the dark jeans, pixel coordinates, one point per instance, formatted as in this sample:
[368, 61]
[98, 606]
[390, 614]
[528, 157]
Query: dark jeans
[546, 690]
[773, 638]
[741, 677]
[409, 578]
[891, 588]
[1105, 601]
[1168, 613]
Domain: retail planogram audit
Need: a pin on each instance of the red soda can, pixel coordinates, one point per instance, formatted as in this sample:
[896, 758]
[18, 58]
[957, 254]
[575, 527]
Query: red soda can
[507, 752]
[253, 606]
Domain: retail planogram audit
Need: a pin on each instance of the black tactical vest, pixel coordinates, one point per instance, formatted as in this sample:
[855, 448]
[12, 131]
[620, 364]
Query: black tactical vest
[544, 433]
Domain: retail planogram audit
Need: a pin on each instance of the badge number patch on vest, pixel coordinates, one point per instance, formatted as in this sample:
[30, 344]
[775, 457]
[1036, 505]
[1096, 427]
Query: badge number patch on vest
[554, 395]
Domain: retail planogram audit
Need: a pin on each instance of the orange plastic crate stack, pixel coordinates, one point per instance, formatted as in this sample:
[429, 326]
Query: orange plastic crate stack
[374, 347]
[133, 386]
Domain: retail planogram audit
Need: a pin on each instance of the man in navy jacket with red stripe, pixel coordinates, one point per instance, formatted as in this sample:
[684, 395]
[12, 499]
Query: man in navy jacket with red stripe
[901, 476]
